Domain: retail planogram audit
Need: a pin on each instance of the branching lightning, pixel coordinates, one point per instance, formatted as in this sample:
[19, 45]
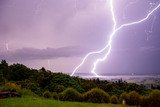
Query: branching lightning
[108, 46]
[148, 32]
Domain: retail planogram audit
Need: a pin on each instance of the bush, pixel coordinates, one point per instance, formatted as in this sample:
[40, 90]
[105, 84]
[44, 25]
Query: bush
[55, 96]
[70, 94]
[144, 102]
[33, 86]
[9, 86]
[59, 88]
[66, 81]
[123, 97]
[114, 100]
[27, 92]
[96, 96]
[154, 98]
[47, 94]
[133, 98]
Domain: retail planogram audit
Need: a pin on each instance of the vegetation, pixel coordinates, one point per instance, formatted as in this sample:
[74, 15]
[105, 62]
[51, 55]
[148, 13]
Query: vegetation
[47, 94]
[25, 81]
[96, 96]
[70, 94]
[114, 99]
[29, 101]
[133, 98]
[154, 98]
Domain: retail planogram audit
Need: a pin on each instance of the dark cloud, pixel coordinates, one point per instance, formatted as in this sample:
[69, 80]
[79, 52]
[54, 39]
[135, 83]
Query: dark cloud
[48, 53]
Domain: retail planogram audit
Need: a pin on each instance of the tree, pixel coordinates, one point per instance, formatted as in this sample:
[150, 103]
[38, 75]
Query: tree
[4, 70]
[19, 72]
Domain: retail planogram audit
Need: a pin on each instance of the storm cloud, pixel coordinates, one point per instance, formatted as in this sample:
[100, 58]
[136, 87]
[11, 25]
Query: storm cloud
[48, 53]
[64, 31]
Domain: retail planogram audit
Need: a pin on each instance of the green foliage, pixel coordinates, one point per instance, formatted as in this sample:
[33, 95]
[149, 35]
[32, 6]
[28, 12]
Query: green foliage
[33, 86]
[133, 98]
[59, 88]
[47, 94]
[70, 94]
[43, 78]
[19, 72]
[53, 87]
[154, 98]
[144, 102]
[55, 96]
[134, 87]
[2, 79]
[39, 80]
[4, 71]
[10, 86]
[109, 87]
[114, 99]
[96, 96]
[30, 101]
[66, 81]
[123, 97]
[27, 92]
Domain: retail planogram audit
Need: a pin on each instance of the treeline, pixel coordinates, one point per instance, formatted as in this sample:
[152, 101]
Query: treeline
[66, 88]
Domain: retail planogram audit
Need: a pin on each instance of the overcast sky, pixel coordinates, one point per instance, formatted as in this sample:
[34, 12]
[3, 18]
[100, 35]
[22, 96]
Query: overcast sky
[57, 34]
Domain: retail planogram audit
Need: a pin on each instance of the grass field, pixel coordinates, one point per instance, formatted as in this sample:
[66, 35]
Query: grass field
[29, 101]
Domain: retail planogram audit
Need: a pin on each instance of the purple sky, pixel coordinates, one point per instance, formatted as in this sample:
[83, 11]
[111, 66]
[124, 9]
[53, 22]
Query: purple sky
[57, 34]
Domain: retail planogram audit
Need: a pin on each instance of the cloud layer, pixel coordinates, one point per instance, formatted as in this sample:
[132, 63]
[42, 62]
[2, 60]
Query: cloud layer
[39, 54]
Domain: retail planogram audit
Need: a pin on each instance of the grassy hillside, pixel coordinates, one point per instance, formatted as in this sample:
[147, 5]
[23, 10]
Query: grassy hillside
[29, 101]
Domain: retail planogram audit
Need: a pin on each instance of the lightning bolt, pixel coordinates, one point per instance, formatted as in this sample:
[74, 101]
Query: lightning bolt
[7, 47]
[49, 65]
[115, 29]
[148, 32]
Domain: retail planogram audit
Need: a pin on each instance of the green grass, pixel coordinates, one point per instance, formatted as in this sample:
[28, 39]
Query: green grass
[29, 101]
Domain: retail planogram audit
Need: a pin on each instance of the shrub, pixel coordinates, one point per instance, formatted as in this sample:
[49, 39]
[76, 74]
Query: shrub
[154, 98]
[114, 100]
[27, 92]
[9, 86]
[70, 94]
[55, 96]
[33, 86]
[59, 88]
[61, 96]
[144, 102]
[133, 98]
[123, 97]
[66, 81]
[47, 94]
[96, 96]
